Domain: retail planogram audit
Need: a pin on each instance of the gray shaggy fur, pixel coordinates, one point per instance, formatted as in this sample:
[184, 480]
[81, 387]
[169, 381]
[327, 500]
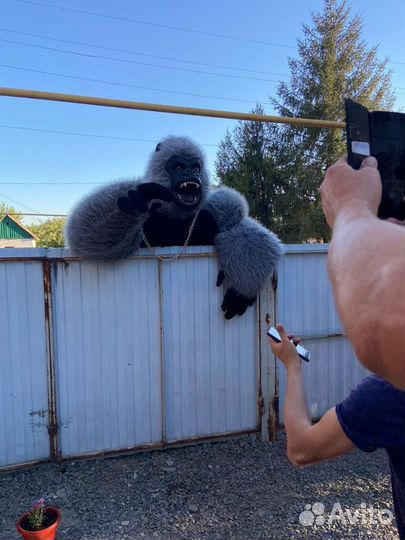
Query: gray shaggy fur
[228, 206]
[97, 229]
[247, 252]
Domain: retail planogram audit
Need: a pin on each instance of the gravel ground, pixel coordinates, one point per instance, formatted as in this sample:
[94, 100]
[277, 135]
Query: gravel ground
[240, 489]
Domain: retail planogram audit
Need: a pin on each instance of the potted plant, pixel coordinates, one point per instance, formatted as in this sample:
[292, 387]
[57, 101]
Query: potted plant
[40, 523]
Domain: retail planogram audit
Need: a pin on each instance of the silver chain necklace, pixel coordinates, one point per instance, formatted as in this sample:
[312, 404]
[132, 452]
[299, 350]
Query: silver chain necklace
[182, 250]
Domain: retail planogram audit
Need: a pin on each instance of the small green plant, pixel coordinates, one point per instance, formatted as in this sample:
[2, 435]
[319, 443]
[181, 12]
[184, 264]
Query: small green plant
[36, 516]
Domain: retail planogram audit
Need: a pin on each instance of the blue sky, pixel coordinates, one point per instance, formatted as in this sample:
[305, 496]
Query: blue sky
[149, 34]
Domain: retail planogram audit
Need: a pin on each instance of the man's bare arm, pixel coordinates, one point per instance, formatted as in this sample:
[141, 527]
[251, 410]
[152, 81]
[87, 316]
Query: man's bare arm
[366, 264]
[306, 443]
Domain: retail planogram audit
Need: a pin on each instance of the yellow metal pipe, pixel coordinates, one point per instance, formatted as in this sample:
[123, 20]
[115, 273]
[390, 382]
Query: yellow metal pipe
[120, 104]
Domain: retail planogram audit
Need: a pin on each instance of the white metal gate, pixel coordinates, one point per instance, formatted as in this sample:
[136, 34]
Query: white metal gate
[134, 354]
[125, 355]
[144, 355]
[210, 364]
[107, 329]
[23, 363]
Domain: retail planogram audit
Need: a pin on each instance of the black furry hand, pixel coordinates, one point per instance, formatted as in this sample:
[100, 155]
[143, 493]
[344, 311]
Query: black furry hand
[233, 303]
[137, 200]
[220, 278]
[152, 190]
[134, 202]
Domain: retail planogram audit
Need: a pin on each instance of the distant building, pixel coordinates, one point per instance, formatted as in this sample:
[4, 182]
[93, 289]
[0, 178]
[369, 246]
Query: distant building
[15, 235]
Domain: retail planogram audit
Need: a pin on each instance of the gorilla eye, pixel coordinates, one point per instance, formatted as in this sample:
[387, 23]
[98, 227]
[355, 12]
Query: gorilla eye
[196, 168]
[178, 168]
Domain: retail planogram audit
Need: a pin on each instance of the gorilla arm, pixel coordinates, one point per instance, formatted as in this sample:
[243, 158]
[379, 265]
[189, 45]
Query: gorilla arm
[98, 229]
[247, 252]
[106, 225]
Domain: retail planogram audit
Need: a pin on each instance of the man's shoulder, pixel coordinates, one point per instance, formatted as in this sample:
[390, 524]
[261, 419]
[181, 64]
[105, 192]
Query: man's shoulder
[374, 386]
[373, 415]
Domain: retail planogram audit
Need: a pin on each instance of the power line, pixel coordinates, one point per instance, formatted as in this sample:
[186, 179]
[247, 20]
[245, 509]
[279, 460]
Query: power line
[86, 44]
[20, 204]
[63, 75]
[143, 63]
[53, 131]
[128, 85]
[169, 27]
[138, 62]
[154, 141]
[52, 183]
[157, 25]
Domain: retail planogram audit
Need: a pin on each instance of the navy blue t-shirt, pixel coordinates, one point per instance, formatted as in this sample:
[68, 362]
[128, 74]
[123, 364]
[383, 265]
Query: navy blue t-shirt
[373, 416]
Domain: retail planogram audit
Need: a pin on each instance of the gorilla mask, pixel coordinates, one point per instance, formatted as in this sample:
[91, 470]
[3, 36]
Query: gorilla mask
[185, 181]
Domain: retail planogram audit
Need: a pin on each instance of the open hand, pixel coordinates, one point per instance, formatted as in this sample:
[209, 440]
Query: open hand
[343, 186]
[137, 199]
[285, 350]
[233, 303]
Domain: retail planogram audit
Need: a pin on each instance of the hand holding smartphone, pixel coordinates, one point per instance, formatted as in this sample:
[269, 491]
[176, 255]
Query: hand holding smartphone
[380, 134]
[302, 352]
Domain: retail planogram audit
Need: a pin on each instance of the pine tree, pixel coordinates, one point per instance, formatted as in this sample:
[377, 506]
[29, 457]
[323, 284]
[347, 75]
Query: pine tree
[280, 169]
[245, 162]
[333, 63]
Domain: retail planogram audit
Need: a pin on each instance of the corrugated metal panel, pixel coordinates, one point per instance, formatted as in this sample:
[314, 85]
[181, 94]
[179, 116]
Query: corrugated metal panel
[306, 307]
[331, 374]
[305, 297]
[23, 377]
[108, 355]
[144, 354]
[210, 363]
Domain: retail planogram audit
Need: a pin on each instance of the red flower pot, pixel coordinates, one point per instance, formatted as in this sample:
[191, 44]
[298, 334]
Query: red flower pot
[53, 519]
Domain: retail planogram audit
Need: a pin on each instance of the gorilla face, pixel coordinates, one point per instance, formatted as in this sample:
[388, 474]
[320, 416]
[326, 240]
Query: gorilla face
[185, 181]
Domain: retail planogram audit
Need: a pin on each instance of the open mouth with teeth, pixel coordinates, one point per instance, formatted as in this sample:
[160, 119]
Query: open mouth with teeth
[188, 193]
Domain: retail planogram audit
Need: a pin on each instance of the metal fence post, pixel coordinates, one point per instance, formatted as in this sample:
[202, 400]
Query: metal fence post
[51, 357]
[268, 391]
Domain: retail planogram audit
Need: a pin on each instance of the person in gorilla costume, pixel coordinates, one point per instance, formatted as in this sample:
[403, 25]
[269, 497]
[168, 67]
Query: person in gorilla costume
[171, 203]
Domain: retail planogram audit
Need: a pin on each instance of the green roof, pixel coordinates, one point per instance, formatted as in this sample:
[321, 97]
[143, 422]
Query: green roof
[10, 229]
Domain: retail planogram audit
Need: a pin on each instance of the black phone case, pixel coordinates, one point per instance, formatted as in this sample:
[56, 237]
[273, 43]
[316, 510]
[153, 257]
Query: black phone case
[382, 135]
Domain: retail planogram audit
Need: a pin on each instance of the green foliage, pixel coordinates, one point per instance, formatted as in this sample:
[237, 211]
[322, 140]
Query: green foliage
[246, 161]
[36, 516]
[5, 209]
[50, 232]
[333, 63]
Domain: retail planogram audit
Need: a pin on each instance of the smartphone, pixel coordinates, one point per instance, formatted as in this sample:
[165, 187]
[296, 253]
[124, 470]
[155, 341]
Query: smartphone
[380, 134]
[303, 353]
